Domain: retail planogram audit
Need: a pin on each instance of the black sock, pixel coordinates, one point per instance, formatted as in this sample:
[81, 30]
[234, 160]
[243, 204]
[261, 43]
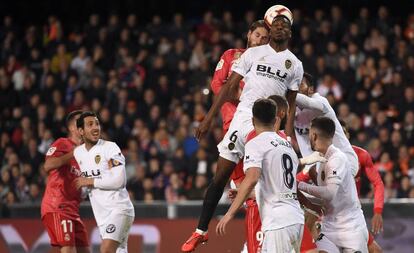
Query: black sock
[213, 195]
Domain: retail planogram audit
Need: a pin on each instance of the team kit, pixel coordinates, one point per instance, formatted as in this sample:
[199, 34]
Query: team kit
[285, 153]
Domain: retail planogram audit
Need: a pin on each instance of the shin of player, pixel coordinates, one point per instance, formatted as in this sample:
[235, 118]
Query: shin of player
[103, 169]
[343, 225]
[60, 203]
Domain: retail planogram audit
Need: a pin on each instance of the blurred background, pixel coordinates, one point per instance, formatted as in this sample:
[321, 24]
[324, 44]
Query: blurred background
[145, 68]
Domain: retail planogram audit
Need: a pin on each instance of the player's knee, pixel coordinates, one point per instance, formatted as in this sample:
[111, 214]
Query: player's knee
[108, 247]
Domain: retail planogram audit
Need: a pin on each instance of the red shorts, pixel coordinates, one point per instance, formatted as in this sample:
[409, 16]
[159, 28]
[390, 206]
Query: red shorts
[254, 235]
[371, 238]
[64, 231]
[307, 240]
[238, 174]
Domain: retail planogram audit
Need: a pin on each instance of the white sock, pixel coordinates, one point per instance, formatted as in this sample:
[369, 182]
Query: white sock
[201, 232]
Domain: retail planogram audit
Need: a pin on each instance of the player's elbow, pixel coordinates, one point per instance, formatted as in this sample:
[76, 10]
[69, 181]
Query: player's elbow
[48, 166]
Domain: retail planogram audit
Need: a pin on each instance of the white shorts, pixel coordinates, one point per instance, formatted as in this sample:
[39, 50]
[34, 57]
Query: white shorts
[284, 240]
[117, 229]
[232, 145]
[347, 242]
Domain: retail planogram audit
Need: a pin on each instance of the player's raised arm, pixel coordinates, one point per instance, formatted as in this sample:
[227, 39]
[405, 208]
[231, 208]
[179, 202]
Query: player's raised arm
[220, 74]
[53, 162]
[229, 92]
[293, 88]
[304, 101]
[375, 179]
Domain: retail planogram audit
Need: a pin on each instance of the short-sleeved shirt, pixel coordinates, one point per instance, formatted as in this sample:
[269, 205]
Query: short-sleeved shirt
[276, 189]
[267, 72]
[61, 195]
[95, 163]
[344, 211]
[221, 74]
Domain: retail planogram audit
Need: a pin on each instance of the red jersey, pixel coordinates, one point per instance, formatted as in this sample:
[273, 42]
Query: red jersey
[61, 195]
[366, 166]
[223, 71]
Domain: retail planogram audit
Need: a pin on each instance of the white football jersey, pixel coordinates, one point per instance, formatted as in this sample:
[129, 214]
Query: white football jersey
[266, 73]
[95, 163]
[344, 211]
[276, 192]
[303, 118]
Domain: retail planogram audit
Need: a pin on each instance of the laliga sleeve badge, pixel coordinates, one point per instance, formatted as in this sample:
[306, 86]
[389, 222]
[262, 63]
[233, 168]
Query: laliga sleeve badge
[110, 228]
[231, 145]
[97, 159]
[288, 64]
[51, 151]
[220, 64]
[67, 237]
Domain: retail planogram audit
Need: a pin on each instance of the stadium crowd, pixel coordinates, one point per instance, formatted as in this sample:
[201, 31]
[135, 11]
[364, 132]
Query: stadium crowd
[149, 84]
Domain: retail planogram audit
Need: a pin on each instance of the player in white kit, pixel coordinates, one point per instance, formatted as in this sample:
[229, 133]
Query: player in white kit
[103, 172]
[343, 224]
[311, 105]
[267, 70]
[271, 163]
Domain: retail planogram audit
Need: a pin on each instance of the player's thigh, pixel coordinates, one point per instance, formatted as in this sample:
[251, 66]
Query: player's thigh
[285, 240]
[232, 145]
[354, 241]
[324, 244]
[117, 229]
[81, 236]
[60, 230]
[254, 235]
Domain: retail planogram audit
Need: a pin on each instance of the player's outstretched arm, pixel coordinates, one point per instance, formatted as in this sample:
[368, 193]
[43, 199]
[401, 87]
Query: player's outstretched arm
[375, 179]
[56, 162]
[246, 187]
[309, 103]
[228, 92]
[291, 98]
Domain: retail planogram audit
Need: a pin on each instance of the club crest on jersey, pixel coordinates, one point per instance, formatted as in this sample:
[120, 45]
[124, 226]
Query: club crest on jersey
[237, 55]
[288, 64]
[323, 175]
[51, 151]
[110, 228]
[97, 159]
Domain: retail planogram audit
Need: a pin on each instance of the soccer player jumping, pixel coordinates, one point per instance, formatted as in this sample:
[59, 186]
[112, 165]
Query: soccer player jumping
[267, 70]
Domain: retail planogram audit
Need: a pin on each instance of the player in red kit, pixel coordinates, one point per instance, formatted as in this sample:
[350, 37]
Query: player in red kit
[257, 35]
[60, 203]
[367, 167]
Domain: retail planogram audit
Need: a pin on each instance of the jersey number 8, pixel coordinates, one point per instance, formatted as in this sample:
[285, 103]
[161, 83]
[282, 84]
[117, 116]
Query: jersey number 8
[288, 177]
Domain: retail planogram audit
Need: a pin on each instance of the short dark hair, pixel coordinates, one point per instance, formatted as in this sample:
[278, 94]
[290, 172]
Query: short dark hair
[258, 23]
[309, 78]
[71, 116]
[281, 102]
[343, 124]
[264, 110]
[80, 122]
[325, 126]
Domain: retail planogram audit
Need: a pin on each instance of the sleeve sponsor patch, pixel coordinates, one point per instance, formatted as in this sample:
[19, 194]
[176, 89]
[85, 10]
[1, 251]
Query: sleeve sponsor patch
[51, 151]
[220, 64]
